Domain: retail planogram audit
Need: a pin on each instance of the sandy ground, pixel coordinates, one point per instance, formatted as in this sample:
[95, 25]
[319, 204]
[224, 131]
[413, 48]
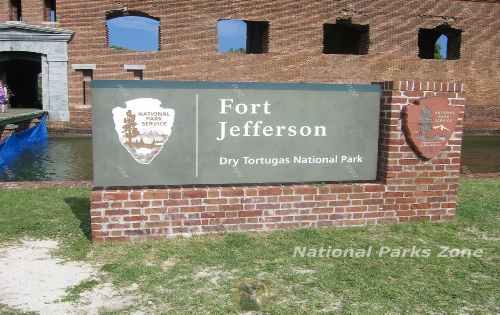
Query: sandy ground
[34, 281]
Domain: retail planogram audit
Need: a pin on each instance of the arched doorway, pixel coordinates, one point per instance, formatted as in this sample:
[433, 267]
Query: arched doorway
[22, 71]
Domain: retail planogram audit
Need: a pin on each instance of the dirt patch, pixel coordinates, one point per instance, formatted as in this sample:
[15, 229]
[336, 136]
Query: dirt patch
[212, 275]
[35, 281]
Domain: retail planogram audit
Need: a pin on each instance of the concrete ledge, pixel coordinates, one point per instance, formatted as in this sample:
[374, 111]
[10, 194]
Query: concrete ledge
[21, 31]
[83, 67]
[134, 67]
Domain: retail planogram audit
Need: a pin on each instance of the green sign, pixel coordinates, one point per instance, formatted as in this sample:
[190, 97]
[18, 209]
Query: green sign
[180, 133]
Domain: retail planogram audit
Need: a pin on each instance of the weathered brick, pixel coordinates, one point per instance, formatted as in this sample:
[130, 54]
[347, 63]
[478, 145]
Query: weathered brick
[232, 192]
[116, 212]
[115, 196]
[272, 191]
[192, 209]
[254, 213]
[186, 194]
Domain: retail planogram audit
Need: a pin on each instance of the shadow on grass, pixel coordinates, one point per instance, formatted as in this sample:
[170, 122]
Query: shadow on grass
[81, 209]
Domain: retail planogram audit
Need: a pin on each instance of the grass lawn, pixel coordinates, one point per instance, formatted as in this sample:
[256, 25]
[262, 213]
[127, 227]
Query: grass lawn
[244, 272]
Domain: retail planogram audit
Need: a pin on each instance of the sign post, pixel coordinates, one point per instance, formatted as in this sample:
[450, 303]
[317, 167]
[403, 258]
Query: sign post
[183, 158]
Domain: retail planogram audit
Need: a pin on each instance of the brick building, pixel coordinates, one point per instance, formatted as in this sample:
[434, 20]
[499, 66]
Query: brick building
[62, 45]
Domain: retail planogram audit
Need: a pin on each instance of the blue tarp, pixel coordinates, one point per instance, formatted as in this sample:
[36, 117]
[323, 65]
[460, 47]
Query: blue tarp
[16, 144]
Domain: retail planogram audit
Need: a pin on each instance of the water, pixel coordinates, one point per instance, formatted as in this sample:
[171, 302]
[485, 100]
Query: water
[481, 154]
[61, 159]
[71, 159]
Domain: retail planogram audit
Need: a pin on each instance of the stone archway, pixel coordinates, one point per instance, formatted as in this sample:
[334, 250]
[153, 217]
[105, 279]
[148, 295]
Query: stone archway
[51, 45]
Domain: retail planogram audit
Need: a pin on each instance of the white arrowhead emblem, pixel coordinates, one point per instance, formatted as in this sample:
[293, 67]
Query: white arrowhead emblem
[143, 128]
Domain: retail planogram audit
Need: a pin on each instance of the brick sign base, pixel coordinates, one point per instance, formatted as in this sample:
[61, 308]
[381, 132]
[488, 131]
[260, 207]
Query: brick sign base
[408, 189]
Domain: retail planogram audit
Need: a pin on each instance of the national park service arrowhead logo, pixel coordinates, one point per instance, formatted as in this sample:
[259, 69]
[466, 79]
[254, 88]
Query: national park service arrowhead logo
[143, 128]
[429, 125]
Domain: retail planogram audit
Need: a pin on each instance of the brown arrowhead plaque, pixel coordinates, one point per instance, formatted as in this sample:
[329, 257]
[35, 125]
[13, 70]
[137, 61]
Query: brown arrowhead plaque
[429, 124]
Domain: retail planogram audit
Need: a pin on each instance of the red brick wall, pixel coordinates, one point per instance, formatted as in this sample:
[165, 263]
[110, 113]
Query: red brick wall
[4, 11]
[32, 11]
[408, 189]
[295, 51]
[189, 41]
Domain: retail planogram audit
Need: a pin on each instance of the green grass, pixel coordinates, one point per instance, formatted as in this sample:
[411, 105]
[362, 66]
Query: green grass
[74, 293]
[47, 214]
[258, 272]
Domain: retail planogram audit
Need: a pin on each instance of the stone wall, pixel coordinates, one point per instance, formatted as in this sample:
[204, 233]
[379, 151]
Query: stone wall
[408, 189]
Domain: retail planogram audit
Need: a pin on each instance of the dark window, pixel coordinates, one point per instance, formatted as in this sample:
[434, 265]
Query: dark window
[15, 10]
[442, 42]
[88, 75]
[50, 10]
[137, 74]
[344, 37]
[133, 31]
[246, 37]
[257, 37]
